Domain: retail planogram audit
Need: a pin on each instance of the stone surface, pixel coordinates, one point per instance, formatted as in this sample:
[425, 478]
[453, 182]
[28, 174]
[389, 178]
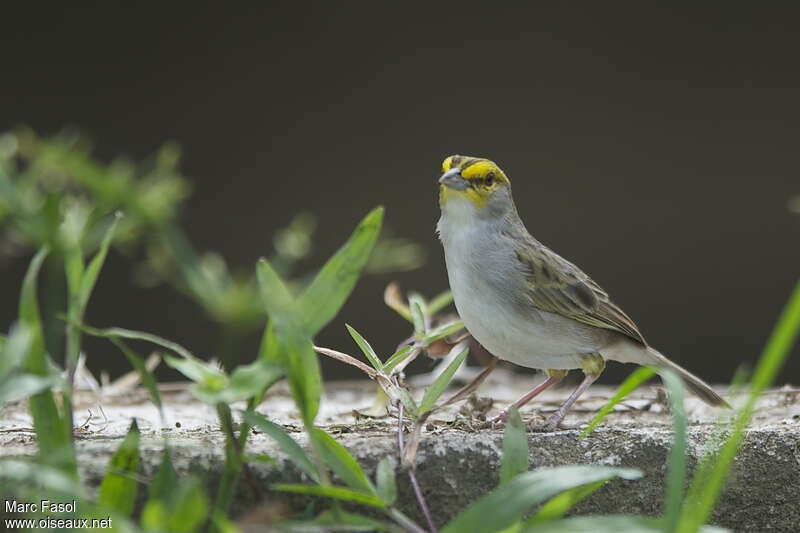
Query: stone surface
[458, 457]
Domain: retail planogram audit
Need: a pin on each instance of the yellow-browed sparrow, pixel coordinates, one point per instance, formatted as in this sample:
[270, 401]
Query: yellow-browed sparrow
[522, 301]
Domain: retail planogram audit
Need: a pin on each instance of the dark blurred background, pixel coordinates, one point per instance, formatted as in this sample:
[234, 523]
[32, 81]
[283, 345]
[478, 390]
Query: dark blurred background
[656, 147]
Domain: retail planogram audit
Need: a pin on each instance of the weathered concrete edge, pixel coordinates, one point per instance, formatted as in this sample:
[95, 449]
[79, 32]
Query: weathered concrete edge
[456, 467]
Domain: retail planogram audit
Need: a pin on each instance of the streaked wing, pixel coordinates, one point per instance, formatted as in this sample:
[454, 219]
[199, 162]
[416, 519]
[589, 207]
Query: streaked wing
[558, 286]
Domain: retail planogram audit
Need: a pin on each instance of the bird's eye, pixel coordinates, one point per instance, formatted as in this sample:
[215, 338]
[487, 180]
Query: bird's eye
[489, 181]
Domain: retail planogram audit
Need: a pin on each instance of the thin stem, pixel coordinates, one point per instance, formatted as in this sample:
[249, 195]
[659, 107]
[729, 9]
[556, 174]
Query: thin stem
[234, 463]
[400, 427]
[412, 471]
[420, 498]
[349, 359]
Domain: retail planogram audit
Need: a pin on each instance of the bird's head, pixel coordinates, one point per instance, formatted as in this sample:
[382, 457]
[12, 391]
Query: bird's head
[476, 181]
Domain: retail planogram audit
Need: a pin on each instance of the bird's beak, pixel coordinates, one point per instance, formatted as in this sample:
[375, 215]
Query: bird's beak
[452, 178]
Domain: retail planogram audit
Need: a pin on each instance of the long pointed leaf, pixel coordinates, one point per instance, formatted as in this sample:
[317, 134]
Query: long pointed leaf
[340, 461]
[705, 490]
[416, 304]
[676, 464]
[507, 504]
[20, 386]
[443, 331]
[439, 302]
[29, 315]
[599, 524]
[386, 482]
[139, 336]
[366, 348]
[53, 432]
[148, 380]
[515, 448]
[335, 281]
[559, 505]
[14, 349]
[396, 358]
[631, 383]
[119, 486]
[297, 352]
[329, 491]
[286, 443]
[436, 388]
[89, 278]
[166, 479]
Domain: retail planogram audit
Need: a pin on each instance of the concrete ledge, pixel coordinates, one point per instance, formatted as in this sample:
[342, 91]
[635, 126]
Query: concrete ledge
[458, 461]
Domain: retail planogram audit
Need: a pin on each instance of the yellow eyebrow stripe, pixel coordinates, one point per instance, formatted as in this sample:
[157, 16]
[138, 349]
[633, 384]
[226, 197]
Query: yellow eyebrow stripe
[477, 168]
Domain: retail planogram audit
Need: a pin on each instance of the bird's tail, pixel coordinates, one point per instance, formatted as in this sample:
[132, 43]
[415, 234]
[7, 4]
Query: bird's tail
[694, 383]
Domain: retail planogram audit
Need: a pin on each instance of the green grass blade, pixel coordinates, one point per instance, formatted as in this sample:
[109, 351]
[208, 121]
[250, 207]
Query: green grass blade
[558, 506]
[366, 348]
[515, 448]
[396, 358]
[338, 459]
[14, 349]
[436, 388]
[148, 380]
[198, 371]
[119, 485]
[610, 524]
[89, 278]
[329, 491]
[631, 383]
[599, 524]
[443, 331]
[29, 314]
[53, 432]
[333, 284]
[416, 304]
[439, 302]
[80, 283]
[21, 386]
[296, 352]
[247, 381]
[166, 480]
[705, 490]
[286, 443]
[386, 482]
[183, 511]
[676, 463]
[189, 507]
[339, 520]
[70, 235]
[507, 504]
[130, 334]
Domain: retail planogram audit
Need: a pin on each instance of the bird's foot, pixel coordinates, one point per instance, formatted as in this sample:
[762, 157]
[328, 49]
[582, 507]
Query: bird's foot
[500, 419]
[553, 423]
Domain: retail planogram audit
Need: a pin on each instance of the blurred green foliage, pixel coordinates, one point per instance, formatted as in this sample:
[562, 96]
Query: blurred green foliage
[55, 193]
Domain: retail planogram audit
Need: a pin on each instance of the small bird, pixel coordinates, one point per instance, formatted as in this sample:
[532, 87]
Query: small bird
[523, 302]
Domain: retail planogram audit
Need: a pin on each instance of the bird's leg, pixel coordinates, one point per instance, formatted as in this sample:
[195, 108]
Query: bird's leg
[553, 377]
[592, 365]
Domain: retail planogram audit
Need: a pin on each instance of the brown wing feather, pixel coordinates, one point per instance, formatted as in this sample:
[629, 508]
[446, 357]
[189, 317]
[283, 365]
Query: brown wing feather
[558, 286]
